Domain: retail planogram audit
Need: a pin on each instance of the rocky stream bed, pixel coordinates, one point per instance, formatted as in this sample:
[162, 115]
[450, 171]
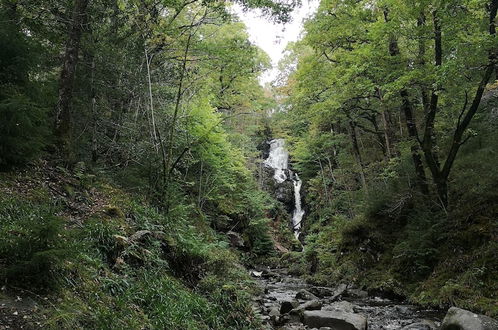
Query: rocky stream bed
[289, 303]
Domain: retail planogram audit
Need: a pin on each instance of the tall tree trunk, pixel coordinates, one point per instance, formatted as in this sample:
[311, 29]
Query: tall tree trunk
[415, 148]
[357, 154]
[410, 122]
[440, 174]
[66, 82]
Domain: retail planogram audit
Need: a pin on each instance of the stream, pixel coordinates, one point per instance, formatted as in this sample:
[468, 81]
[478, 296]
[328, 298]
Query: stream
[290, 303]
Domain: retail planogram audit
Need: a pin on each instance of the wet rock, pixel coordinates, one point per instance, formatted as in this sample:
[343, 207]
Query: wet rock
[287, 305]
[274, 311]
[342, 306]
[321, 291]
[256, 273]
[236, 241]
[284, 192]
[403, 309]
[423, 325]
[311, 305]
[305, 295]
[334, 319]
[270, 274]
[339, 291]
[356, 293]
[461, 319]
[293, 317]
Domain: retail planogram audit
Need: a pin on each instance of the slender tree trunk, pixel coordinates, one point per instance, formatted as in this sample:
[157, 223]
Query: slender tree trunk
[441, 175]
[357, 154]
[66, 82]
[177, 103]
[410, 122]
[415, 149]
[93, 93]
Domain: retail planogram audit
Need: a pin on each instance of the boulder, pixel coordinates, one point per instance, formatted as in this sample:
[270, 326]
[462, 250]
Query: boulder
[461, 319]
[339, 291]
[287, 305]
[356, 293]
[274, 311]
[311, 305]
[321, 291]
[236, 241]
[305, 295]
[336, 320]
[342, 306]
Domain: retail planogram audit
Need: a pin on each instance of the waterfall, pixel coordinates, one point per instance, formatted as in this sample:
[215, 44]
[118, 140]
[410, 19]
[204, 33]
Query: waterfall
[278, 160]
[298, 214]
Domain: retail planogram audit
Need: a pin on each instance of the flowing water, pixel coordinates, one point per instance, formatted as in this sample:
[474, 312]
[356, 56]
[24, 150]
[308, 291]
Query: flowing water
[278, 160]
[381, 313]
[298, 214]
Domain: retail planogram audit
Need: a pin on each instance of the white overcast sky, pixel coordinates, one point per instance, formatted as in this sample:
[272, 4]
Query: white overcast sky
[273, 38]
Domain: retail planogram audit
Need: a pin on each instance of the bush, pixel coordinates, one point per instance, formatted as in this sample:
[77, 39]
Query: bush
[32, 245]
[23, 124]
[23, 130]
[261, 241]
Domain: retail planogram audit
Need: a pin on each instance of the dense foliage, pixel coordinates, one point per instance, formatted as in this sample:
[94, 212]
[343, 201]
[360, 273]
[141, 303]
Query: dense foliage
[160, 99]
[132, 132]
[393, 107]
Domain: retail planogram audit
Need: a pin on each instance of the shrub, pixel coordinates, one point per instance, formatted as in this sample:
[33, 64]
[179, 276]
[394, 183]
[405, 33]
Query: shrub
[23, 129]
[32, 246]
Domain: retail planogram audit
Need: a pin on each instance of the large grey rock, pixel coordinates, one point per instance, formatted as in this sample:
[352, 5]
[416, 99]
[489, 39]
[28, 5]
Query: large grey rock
[307, 306]
[273, 311]
[342, 306]
[311, 305]
[305, 295]
[461, 319]
[336, 320]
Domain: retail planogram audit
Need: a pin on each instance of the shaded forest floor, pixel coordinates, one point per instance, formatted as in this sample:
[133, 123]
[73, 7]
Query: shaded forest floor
[76, 251]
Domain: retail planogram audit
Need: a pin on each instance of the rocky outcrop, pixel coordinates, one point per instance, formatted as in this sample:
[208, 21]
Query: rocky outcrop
[337, 320]
[461, 319]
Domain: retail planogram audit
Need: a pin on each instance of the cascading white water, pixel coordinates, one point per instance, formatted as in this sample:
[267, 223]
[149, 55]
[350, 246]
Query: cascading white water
[278, 160]
[298, 214]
